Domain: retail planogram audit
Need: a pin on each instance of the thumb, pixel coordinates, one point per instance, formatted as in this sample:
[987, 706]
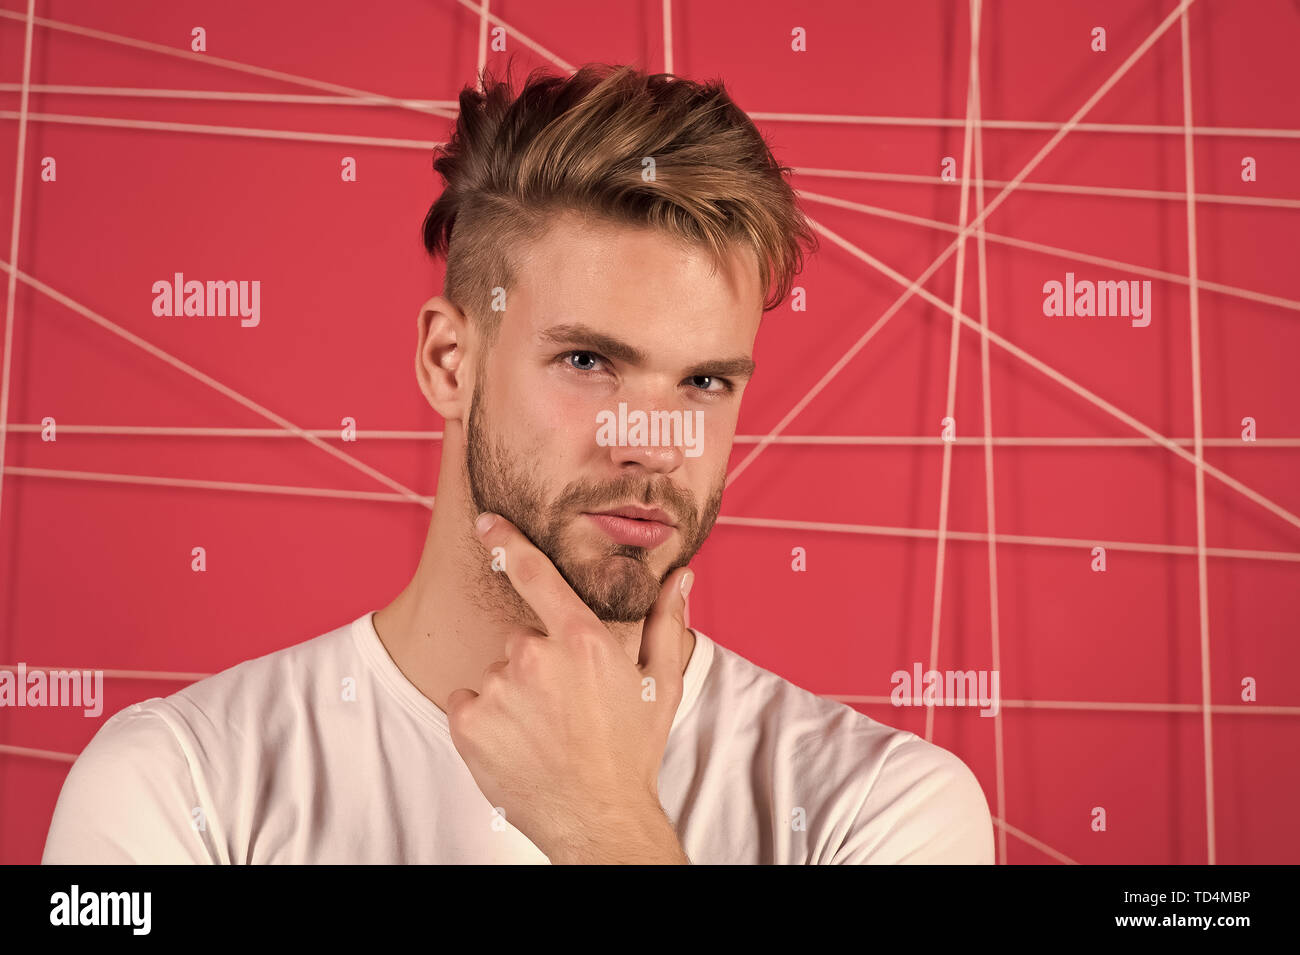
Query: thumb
[661, 634]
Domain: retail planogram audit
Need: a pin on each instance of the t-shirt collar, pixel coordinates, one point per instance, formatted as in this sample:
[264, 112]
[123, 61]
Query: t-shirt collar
[376, 655]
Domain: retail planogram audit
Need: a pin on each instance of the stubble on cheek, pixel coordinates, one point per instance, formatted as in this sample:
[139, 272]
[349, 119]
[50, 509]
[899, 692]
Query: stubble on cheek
[616, 581]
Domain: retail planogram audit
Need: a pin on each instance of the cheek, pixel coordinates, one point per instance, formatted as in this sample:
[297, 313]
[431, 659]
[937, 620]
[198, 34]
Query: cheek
[553, 426]
[569, 423]
[718, 434]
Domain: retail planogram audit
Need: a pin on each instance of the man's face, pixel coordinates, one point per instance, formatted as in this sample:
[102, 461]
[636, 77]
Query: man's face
[602, 315]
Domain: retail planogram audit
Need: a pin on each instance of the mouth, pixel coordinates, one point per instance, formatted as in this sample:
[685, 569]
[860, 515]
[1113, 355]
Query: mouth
[637, 527]
[635, 513]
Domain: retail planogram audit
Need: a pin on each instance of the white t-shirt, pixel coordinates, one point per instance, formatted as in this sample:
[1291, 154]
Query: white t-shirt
[268, 762]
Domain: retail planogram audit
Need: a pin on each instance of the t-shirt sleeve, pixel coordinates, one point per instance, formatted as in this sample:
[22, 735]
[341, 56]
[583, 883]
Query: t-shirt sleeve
[925, 806]
[129, 799]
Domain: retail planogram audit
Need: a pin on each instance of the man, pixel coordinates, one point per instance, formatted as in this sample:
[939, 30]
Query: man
[534, 693]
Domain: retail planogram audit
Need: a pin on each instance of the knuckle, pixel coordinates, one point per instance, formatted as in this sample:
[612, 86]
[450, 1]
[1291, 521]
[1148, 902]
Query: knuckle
[525, 651]
[493, 677]
[593, 643]
[461, 719]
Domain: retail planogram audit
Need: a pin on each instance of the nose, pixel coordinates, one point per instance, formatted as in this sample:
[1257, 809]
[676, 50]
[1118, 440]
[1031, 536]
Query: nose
[649, 438]
[662, 459]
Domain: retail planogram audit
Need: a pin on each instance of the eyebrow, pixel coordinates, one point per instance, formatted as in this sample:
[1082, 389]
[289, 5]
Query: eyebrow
[575, 333]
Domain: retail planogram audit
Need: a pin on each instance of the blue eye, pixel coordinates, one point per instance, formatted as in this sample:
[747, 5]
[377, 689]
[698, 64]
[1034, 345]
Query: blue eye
[726, 383]
[572, 353]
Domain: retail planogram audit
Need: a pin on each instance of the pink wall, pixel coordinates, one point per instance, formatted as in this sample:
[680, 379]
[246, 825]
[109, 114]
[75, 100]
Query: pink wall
[96, 573]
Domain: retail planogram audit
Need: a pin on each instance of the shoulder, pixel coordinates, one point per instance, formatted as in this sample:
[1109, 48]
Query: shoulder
[924, 805]
[259, 691]
[784, 715]
[144, 787]
[129, 796]
[873, 793]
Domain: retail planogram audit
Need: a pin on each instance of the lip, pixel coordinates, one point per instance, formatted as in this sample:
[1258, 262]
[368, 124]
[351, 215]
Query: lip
[638, 513]
[630, 531]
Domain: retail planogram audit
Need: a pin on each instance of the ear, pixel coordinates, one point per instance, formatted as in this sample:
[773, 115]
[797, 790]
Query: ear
[441, 347]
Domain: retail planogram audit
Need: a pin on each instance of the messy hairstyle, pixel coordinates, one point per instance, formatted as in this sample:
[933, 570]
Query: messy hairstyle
[579, 143]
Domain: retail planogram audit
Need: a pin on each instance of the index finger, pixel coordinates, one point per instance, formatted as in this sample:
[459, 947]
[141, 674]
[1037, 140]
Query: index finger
[536, 579]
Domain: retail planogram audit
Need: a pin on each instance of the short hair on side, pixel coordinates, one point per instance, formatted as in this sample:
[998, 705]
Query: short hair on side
[577, 143]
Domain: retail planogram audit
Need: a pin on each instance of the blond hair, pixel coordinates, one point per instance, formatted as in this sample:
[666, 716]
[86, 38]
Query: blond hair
[578, 143]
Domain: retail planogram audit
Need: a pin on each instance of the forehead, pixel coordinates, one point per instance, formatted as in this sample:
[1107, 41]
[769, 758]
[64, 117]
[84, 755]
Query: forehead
[628, 275]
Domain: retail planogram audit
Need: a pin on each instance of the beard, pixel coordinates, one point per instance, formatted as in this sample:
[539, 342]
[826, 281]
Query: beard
[614, 580]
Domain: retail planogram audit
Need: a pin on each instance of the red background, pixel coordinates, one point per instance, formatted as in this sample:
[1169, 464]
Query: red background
[96, 573]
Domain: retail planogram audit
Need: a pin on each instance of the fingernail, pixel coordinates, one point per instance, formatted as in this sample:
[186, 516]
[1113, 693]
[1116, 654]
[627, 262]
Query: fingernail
[687, 581]
[485, 522]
